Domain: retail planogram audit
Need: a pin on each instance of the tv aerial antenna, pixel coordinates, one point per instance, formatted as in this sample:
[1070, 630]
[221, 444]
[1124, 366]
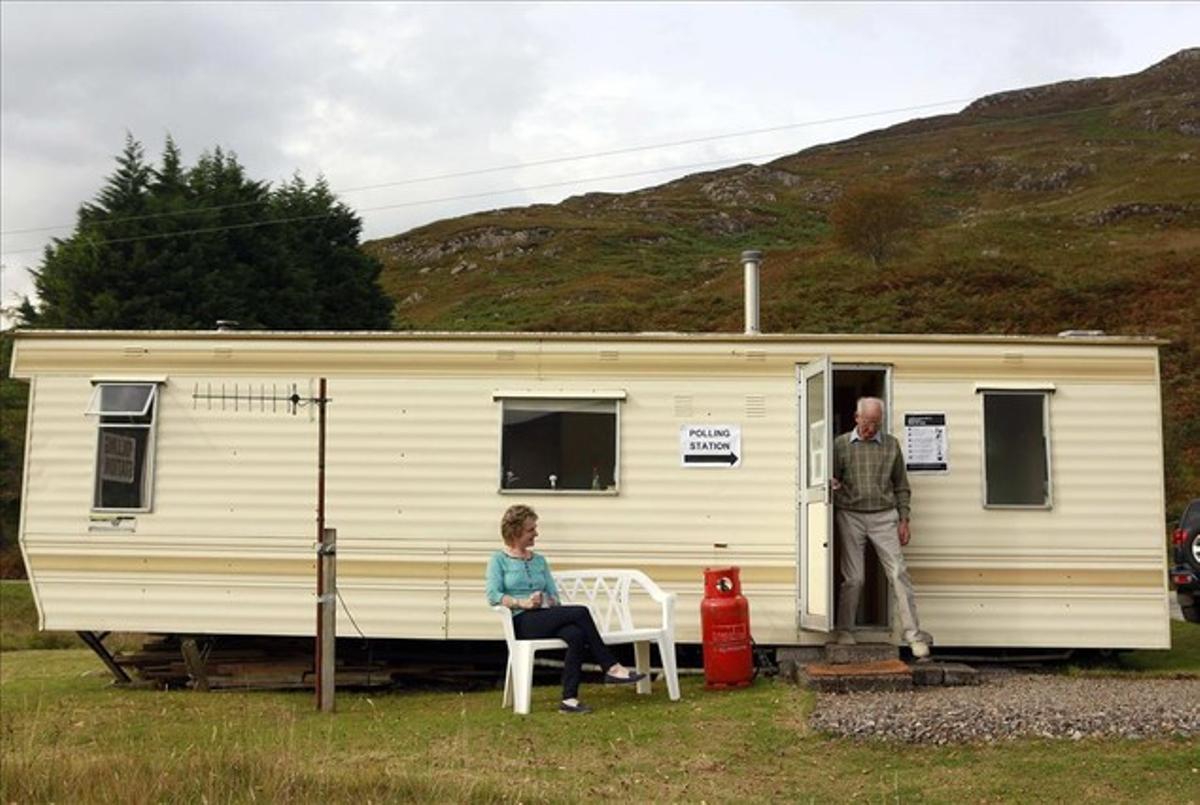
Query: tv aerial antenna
[289, 400]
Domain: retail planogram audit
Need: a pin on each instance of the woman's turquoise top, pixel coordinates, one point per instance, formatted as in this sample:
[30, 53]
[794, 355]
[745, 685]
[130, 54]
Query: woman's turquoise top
[519, 578]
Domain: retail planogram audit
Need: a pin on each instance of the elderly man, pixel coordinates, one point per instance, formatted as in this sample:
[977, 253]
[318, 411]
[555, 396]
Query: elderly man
[871, 495]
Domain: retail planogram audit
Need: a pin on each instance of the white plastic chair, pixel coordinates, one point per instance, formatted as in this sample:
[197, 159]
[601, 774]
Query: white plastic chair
[606, 594]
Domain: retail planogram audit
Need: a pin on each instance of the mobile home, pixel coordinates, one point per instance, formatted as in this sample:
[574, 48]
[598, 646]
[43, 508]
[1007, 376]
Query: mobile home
[170, 488]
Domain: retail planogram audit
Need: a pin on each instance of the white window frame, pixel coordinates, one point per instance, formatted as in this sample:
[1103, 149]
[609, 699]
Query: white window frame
[1045, 391]
[151, 409]
[617, 396]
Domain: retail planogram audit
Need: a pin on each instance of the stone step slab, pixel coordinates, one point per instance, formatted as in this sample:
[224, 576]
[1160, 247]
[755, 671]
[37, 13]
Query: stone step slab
[948, 674]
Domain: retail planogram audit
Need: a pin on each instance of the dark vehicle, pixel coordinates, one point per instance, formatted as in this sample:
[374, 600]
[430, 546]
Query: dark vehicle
[1186, 572]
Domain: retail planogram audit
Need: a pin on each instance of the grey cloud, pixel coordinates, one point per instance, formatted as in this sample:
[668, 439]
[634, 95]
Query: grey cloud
[372, 92]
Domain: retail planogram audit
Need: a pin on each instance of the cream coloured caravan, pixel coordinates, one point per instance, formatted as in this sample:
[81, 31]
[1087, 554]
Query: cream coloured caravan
[169, 489]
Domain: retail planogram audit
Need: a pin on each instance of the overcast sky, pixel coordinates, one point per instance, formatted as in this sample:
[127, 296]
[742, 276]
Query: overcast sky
[384, 94]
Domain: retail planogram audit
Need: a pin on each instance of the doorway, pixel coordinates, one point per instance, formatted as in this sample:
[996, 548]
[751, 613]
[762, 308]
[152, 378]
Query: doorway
[851, 381]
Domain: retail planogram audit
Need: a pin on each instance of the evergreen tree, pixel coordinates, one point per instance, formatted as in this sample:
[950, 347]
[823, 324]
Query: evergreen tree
[171, 247]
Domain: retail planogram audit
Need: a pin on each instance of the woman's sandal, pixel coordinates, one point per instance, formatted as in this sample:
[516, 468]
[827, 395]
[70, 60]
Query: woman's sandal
[580, 708]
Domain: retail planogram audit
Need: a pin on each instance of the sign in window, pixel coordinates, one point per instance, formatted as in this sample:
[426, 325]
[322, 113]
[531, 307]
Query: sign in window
[124, 450]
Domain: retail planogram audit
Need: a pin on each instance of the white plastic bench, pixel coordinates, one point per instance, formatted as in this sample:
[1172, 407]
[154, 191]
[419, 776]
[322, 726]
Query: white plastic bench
[606, 594]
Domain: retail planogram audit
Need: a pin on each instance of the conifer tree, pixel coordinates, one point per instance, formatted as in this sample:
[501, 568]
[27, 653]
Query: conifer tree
[171, 247]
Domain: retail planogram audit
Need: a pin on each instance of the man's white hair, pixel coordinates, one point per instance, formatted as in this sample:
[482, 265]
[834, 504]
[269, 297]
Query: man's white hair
[863, 402]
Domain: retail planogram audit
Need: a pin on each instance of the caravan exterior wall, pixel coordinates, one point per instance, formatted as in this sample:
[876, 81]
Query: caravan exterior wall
[226, 542]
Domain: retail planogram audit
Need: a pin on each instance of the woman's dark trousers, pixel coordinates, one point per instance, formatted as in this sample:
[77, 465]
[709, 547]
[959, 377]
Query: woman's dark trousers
[574, 625]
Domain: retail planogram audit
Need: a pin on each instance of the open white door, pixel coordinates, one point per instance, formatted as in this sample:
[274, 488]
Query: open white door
[816, 505]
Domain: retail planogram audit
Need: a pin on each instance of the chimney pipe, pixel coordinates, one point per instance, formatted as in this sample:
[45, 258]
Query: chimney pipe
[751, 260]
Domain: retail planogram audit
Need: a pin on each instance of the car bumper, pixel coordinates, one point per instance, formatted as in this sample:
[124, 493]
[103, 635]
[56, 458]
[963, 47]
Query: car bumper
[1185, 580]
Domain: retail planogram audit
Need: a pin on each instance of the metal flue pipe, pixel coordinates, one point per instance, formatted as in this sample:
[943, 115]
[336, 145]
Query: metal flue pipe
[751, 260]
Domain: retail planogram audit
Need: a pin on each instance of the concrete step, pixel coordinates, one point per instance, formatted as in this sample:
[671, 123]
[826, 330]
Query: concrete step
[838, 654]
[792, 659]
[881, 675]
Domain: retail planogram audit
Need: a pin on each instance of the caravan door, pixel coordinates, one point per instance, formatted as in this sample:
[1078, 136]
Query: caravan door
[815, 501]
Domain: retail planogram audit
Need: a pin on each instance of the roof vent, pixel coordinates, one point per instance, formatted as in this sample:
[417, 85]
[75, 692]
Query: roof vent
[1081, 333]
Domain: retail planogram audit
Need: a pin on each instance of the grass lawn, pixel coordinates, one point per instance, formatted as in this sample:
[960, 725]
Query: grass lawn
[68, 735]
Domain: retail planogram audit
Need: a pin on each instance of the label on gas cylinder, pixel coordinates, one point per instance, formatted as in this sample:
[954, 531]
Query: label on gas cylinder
[728, 633]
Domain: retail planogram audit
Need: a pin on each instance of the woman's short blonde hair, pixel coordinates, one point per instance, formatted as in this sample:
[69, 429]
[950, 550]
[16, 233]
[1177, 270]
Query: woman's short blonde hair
[513, 521]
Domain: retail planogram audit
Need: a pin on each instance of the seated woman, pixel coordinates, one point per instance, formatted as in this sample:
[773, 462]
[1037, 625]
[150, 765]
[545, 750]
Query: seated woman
[520, 579]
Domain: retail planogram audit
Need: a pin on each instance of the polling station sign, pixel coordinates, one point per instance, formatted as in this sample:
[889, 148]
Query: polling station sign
[705, 445]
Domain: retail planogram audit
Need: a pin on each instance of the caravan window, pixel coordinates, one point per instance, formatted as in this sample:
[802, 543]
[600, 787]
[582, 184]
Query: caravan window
[1016, 449]
[125, 445]
[559, 445]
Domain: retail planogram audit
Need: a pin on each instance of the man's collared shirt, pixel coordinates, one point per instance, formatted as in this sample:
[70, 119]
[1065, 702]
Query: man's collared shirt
[878, 437]
[872, 474]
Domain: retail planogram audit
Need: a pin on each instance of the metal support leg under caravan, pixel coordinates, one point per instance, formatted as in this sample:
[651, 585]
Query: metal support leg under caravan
[95, 642]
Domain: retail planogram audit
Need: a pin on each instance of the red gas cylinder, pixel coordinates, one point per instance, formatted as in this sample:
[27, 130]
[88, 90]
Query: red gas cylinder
[725, 628]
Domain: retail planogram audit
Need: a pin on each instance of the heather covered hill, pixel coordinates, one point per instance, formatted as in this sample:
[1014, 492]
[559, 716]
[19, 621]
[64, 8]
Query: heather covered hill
[1072, 205]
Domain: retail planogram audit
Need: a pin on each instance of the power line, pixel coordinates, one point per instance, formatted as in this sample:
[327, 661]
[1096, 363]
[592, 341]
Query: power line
[518, 165]
[670, 144]
[398, 205]
[731, 161]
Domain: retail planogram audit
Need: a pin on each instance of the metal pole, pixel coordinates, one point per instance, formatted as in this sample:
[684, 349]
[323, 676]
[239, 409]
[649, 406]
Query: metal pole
[326, 589]
[327, 622]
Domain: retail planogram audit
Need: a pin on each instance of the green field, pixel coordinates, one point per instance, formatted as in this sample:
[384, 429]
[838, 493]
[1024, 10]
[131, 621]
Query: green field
[69, 735]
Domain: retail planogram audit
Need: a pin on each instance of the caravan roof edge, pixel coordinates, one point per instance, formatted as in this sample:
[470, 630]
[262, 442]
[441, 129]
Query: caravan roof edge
[377, 335]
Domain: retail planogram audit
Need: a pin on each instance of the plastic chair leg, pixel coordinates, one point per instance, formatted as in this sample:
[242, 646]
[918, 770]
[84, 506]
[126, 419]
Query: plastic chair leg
[508, 683]
[522, 679]
[641, 654]
[666, 648]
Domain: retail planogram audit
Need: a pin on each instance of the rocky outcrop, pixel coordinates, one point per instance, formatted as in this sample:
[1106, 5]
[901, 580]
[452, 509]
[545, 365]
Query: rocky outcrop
[488, 238]
[1162, 213]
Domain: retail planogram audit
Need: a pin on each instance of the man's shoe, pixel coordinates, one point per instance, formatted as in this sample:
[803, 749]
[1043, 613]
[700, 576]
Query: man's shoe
[634, 676]
[577, 709]
[846, 638]
[920, 649]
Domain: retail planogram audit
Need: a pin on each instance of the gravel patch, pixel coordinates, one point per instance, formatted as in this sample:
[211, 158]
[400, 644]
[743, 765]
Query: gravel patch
[1008, 704]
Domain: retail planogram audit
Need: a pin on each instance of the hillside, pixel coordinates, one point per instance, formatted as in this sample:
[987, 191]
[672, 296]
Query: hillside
[1071, 205]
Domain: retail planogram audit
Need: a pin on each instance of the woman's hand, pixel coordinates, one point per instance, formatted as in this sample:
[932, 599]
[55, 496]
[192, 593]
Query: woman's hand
[535, 600]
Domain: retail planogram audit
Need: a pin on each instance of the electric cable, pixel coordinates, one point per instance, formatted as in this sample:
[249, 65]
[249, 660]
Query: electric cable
[350, 615]
[366, 640]
[519, 165]
[841, 145]
[462, 197]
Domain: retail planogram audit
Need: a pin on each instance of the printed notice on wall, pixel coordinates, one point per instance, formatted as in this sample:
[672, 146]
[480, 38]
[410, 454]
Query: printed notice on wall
[925, 447]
